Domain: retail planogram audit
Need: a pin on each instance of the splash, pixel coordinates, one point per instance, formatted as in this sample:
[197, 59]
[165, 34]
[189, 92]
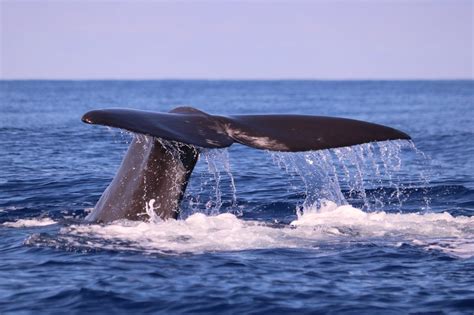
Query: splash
[315, 229]
[30, 222]
[150, 210]
[368, 175]
[212, 186]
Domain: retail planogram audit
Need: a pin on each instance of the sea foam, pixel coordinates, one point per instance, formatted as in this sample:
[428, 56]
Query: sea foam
[30, 222]
[201, 233]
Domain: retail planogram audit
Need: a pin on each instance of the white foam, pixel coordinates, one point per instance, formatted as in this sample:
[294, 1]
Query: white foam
[30, 222]
[7, 209]
[198, 233]
[331, 223]
[380, 223]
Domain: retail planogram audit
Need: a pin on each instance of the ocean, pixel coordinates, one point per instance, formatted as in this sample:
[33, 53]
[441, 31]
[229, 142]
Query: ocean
[380, 228]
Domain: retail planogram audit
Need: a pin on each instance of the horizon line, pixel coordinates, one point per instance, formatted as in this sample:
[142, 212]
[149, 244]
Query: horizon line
[239, 79]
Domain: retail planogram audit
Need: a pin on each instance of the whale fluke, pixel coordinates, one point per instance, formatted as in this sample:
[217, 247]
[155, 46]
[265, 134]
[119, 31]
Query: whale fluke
[290, 133]
[294, 133]
[154, 170]
[183, 124]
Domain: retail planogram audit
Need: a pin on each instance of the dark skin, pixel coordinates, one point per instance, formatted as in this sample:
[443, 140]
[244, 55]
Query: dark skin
[160, 170]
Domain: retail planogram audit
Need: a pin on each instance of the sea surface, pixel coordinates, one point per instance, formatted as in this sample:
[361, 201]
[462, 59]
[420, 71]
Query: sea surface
[380, 228]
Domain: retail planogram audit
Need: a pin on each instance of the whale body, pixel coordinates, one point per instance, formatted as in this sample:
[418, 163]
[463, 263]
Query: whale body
[160, 170]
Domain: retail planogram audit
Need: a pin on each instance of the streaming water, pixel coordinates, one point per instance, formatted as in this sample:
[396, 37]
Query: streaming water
[367, 175]
[212, 185]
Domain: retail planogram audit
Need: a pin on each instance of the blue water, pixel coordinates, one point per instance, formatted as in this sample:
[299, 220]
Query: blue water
[405, 245]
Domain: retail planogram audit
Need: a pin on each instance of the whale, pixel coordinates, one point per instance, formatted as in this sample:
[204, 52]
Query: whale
[166, 147]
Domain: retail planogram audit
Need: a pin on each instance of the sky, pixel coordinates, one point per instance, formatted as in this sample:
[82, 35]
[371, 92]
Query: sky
[404, 39]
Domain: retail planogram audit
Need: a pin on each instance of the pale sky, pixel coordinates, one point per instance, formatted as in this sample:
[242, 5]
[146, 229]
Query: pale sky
[237, 40]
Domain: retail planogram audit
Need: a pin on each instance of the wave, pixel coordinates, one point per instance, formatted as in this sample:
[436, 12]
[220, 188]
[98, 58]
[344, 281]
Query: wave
[314, 228]
[30, 222]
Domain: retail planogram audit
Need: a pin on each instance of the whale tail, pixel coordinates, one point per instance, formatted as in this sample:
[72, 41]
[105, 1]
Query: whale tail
[151, 170]
[290, 133]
